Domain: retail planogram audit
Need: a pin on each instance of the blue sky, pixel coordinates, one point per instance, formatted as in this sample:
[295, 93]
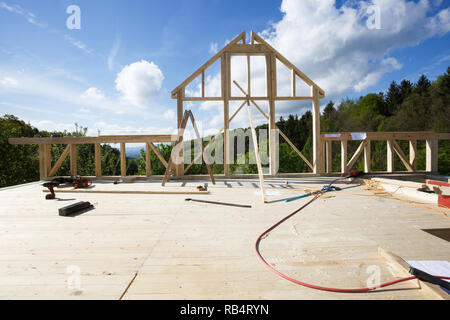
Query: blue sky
[116, 72]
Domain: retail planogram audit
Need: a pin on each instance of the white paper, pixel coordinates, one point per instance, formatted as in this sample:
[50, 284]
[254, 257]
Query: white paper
[433, 267]
[332, 135]
[358, 135]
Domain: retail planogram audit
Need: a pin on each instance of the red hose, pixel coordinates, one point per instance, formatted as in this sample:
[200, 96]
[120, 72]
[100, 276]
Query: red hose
[355, 290]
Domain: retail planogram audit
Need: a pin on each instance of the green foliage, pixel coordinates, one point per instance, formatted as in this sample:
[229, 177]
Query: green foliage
[423, 106]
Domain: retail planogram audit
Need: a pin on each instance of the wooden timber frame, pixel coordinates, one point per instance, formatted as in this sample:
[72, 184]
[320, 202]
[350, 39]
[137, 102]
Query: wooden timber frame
[391, 138]
[47, 170]
[256, 47]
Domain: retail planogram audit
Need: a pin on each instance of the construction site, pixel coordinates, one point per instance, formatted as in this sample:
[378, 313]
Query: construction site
[351, 234]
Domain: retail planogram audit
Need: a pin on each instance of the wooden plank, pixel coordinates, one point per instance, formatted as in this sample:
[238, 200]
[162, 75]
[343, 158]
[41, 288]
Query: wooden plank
[258, 160]
[402, 156]
[98, 161]
[41, 153]
[160, 157]
[416, 135]
[247, 49]
[428, 289]
[203, 83]
[179, 168]
[356, 154]
[272, 92]
[148, 166]
[59, 162]
[293, 84]
[89, 140]
[296, 150]
[367, 156]
[48, 159]
[199, 140]
[343, 156]
[431, 155]
[390, 155]
[317, 155]
[226, 91]
[329, 158]
[123, 160]
[413, 154]
[125, 191]
[73, 159]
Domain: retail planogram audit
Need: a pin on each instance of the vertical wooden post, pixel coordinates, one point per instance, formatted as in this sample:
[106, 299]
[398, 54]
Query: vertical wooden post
[48, 159]
[413, 153]
[390, 156]
[367, 157]
[343, 156]
[329, 158]
[123, 160]
[148, 168]
[432, 155]
[73, 159]
[98, 161]
[42, 171]
[317, 154]
[226, 87]
[293, 85]
[179, 168]
[271, 66]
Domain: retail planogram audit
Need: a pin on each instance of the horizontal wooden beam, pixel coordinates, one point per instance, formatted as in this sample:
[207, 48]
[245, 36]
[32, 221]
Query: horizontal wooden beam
[159, 138]
[298, 98]
[418, 135]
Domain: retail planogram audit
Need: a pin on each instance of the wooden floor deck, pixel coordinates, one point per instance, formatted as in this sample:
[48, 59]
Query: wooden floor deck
[162, 247]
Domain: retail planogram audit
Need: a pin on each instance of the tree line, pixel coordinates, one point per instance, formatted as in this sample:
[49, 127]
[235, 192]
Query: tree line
[407, 106]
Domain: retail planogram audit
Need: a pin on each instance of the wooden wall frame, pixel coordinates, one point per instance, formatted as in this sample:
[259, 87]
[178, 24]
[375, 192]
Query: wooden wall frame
[256, 47]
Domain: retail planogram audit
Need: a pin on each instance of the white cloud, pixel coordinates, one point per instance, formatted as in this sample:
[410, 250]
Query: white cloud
[337, 50]
[93, 93]
[9, 82]
[78, 44]
[29, 16]
[113, 53]
[213, 47]
[139, 82]
[169, 115]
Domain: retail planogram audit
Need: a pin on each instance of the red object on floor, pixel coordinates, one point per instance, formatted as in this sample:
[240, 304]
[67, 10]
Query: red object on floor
[444, 201]
[438, 183]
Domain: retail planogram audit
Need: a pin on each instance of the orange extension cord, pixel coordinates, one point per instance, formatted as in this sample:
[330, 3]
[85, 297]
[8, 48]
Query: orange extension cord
[341, 290]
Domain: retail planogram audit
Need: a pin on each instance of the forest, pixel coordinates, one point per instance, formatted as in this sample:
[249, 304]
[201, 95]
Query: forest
[405, 106]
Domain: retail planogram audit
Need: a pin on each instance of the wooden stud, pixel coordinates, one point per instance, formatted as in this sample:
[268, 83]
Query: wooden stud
[413, 154]
[123, 160]
[179, 168]
[390, 155]
[203, 83]
[160, 157]
[343, 156]
[148, 168]
[367, 157]
[356, 154]
[258, 160]
[226, 91]
[199, 140]
[48, 159]
[402, 156]
[42, 171]
[293, 85]
[98, 161]
[329, 163]
[59, 162]
[73, 159]
[431, 155]
[317, 155]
